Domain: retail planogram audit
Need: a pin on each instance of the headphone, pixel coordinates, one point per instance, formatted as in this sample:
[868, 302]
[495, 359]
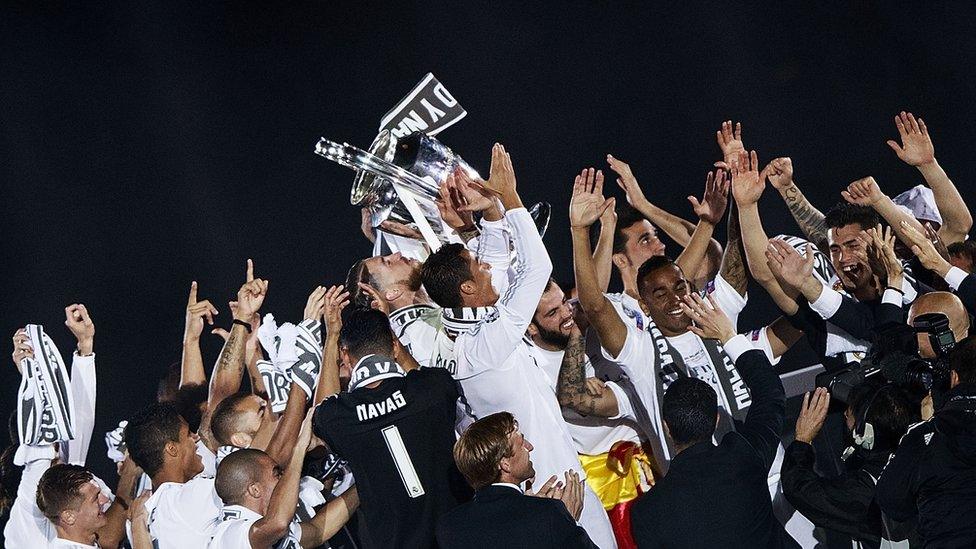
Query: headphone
[863, 430]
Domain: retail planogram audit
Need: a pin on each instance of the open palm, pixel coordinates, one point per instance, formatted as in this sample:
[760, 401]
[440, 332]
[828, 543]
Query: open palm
[587, 203]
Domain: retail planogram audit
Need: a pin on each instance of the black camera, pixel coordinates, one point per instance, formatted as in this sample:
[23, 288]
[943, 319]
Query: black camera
[894, 355]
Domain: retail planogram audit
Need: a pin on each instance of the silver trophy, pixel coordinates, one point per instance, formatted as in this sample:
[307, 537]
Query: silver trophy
[399, 180]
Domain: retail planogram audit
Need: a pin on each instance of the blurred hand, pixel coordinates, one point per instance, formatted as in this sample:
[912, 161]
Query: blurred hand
[715, 200]
[251, 295]
[925, 250]
[916, 147]
[571, 494]
[747, 182]
[936, 240]
[780, 173]
[472, 195]
[729, 140]
[863, 192]
[587, 203]
[336, 300]
[315, 304]
[594, 386]
[627, 182]
[813, 411]
[81, 326]
[711, 322]
[196, 313]
[501, 178]
[788, 265]
[137, 510]
[450, 205]
[545, 491]
[883, 248]
[22, 348]
[377, 300]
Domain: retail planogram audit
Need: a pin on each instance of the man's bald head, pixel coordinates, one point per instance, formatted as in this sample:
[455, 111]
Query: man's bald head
[238, 471]
[947, 304]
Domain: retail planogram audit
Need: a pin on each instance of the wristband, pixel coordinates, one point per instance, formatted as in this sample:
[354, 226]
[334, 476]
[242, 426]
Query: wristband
[899, 290]
[247, 325]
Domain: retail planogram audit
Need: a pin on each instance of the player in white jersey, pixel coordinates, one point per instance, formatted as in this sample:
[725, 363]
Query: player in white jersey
[483, 340]
[260, 498]
[182, 510]
[71, 499]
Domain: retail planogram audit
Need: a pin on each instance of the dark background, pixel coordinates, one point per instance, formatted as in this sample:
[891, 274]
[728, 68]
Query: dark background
[148, 144]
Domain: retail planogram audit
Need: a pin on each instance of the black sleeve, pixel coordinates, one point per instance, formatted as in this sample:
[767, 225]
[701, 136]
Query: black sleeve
[887, 313]
[813, 327]
[320, 420]
[897, 487]
[967, 293]
[763, 425]
[854, 318]
[564, 528]
[841, 503]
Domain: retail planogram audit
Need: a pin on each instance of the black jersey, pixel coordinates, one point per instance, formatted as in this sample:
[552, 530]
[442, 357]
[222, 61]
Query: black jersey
[398, 439]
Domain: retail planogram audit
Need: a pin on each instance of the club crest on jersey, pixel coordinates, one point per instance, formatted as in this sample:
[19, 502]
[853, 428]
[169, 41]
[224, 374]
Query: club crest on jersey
[372, 410]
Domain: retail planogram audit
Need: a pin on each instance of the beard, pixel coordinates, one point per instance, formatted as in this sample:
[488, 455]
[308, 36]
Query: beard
[413, 282]
[555, 338]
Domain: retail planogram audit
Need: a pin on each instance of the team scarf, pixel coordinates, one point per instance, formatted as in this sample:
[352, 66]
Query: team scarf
[454, 322]
[404, 316]
[296, 356]
[46, 411]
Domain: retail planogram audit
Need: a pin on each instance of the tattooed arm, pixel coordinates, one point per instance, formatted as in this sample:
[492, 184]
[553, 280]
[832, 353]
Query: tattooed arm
[809, 218]
[571, 389]
[226, 378]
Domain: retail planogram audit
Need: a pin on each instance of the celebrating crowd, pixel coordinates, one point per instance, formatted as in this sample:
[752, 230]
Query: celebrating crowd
[466, 399]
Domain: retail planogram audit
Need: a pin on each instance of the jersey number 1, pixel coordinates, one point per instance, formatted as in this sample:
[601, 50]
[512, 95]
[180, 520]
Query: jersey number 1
[394, 442]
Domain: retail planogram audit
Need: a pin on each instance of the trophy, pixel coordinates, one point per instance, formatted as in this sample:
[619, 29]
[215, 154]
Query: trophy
[399, 179]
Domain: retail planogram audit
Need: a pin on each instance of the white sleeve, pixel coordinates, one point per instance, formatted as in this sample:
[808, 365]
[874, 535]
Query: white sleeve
[493, 340]
[625, 410]
[26, 525]
[731, 301]
[892, 297]
[199, 504]
[759, 339]
[233, 534]
[83, 395]
[954, 278]
[828, 303]
[493, 246]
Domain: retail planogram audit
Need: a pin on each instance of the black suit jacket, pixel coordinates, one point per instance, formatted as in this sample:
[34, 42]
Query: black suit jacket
[718, 496]
[501, 516]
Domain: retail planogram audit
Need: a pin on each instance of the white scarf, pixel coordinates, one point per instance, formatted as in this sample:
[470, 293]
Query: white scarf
[296, 355]
[46, 411]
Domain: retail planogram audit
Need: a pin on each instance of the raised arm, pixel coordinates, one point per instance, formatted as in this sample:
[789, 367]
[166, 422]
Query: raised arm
[191, 370]
[226, 379]
[571, 389]
[82, 384]
[274, 524]
[585, 206]
[866, 192]
[604, 248]
[709, 211]
[336, 299]
[808, 217]
[917, 150]
[747, 189]
[330, 519]
[678, 229]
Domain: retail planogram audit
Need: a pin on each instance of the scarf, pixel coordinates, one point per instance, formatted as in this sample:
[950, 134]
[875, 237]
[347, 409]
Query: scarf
[455, 322]
[46, 411]
[296, 356]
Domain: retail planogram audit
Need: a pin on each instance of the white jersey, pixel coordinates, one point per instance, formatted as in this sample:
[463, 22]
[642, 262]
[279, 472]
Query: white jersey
[592, 435]
[414, 328]
[60, 543]
[183, 515]
[234, 530]
[26, 526]
[497, 372]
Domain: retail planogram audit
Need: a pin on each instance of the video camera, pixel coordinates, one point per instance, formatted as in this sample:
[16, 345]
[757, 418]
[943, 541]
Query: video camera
[895, 356]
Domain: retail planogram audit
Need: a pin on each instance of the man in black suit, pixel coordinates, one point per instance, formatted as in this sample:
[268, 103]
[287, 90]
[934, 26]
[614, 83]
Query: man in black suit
[716, 496]
[494, 458]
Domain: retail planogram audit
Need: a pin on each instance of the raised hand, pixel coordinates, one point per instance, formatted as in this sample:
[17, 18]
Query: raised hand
[924, 249]
[916, 147]
[449, 205]
[933, 236]
[501, 179]
[779, 172]
[747, 183]
[729, 139]
[571, 494]
[22, 347]
[587, 203]
[378, 301]
[813, 411]
[711, 322]
[196, 313]
[787, 265]
[137, 510]
[472, 195]
[545, 491]
[627, 182]
[251, 295]
[715, 200]
[315, 304]
[863, 192]
[883, 250]
[336, 299]
[81, 326]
